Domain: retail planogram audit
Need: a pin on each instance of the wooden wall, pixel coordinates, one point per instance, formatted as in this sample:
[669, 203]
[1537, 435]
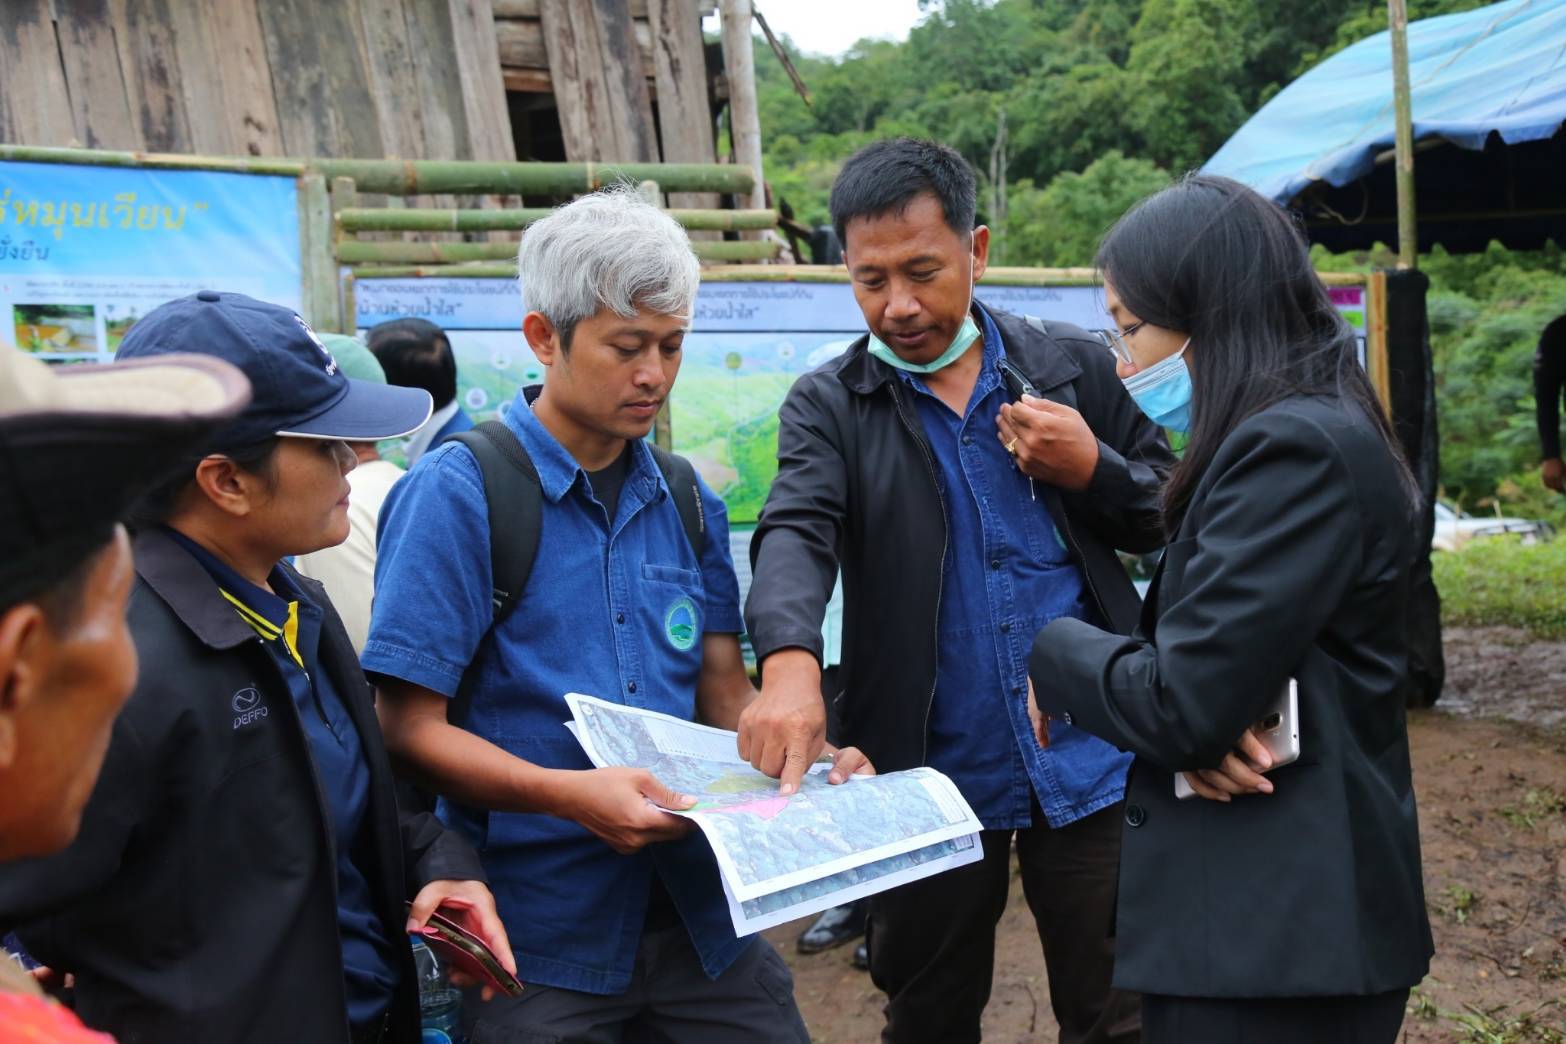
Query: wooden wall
[413, 79]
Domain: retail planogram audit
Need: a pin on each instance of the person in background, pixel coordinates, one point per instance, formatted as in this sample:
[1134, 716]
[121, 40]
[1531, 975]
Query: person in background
[1549, 390]
[1297, 917]
[964, 517]
[76, 445]
[243, 873]
[347, 571]
[415, 353]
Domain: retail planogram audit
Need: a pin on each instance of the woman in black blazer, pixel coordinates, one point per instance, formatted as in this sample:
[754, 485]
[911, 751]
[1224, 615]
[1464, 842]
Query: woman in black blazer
[1290, 907]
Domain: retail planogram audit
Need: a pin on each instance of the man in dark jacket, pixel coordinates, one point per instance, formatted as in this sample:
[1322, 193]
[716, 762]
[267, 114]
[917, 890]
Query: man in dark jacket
[964, 517]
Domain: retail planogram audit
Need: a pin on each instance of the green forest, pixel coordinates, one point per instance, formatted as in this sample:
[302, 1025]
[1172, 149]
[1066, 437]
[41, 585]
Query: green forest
[1071, 110]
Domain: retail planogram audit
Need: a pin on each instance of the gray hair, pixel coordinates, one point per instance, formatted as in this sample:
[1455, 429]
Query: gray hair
[611, 249]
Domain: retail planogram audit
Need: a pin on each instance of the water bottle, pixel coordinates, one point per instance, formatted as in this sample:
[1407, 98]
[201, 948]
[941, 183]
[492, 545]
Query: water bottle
[440, 1003]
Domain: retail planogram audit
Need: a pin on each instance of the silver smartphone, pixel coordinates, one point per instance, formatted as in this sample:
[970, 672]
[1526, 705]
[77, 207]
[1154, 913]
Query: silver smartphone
[1278, 729]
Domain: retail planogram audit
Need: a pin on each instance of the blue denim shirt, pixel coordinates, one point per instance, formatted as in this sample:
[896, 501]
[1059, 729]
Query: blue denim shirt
[1008, 573]
[290, 626]
[614, 608]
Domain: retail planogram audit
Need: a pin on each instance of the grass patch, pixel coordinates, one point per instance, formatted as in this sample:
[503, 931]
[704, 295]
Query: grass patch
[1460, 903]
[1499, 581]
[1535, 807]
[1497, 1025]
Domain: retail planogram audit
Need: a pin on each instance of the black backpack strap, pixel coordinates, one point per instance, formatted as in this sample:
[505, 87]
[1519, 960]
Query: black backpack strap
[680, 476]
[516, 504]
[515, 500]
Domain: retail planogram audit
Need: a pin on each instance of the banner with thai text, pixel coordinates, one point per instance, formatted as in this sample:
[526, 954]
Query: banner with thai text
[86, 251]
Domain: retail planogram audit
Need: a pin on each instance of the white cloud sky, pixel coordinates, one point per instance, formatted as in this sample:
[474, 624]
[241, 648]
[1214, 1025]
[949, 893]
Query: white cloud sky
[830, 27]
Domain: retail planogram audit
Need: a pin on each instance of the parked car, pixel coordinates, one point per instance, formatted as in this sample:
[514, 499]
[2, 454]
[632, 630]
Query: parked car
[1454, 528]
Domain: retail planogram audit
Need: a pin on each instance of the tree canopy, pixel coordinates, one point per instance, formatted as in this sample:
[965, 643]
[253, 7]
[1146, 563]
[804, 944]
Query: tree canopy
[1071, 110]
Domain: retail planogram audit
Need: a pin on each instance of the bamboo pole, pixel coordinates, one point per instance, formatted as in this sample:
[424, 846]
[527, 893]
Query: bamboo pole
[798, 274]
[318, 274]
[1402, 105]
[1376, 364]
[739, 63]
[354, 252]
[384, 220]
[343, 195]
[421, 177]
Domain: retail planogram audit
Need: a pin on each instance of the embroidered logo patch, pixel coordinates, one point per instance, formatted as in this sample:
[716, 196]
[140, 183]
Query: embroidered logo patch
[679, 624]
[248, 708]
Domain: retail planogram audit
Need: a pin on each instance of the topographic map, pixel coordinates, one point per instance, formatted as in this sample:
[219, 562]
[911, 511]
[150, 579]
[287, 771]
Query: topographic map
[785, 857]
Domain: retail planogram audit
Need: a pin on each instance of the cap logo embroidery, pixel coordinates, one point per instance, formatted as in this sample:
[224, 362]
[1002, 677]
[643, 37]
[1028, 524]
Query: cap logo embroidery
[331, 363]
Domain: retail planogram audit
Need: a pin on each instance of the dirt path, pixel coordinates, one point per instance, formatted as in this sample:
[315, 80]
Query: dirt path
[1492, 805]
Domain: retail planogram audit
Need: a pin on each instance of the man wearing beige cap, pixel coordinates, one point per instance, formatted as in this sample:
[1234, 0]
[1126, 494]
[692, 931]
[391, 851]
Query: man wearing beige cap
[76, 444]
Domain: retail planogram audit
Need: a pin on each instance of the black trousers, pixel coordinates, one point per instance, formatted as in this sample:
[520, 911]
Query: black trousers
[670, 1001]
[932, 943]
[1375, 1019]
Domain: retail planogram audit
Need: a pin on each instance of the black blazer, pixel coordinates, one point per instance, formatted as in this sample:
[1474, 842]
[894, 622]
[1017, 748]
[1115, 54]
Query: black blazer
[199, 902]
[1293, 559]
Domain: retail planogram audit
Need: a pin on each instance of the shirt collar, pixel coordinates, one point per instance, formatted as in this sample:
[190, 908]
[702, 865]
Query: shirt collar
[557, 470]
[267, 612]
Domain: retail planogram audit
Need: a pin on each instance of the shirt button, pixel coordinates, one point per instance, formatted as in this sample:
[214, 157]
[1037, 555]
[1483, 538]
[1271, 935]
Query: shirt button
[1136, 815]
[1016, 690]
[630, 686]
[619, 618]
[1006, 627]
[994, 563]
[967, 440]
[1066, 717]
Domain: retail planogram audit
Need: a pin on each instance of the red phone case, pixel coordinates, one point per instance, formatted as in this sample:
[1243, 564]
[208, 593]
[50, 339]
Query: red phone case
[456, 947]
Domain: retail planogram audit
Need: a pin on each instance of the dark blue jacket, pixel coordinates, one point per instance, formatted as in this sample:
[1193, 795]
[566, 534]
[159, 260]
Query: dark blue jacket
[199, 900]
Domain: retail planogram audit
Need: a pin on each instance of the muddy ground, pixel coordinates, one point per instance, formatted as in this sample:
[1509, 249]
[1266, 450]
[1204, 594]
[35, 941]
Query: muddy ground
[1490, 773]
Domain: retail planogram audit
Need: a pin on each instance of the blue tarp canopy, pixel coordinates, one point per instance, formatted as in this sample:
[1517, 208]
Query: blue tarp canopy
[1489, 99]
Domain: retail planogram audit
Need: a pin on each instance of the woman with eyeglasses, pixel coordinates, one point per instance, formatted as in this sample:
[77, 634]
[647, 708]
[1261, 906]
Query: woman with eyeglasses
[1289, 906]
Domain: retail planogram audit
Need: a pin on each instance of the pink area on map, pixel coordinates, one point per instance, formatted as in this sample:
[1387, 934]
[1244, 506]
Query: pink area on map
[1346, 295]
[766, 808]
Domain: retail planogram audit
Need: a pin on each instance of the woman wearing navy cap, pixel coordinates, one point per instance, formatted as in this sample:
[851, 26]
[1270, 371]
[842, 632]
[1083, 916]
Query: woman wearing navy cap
[242, 868]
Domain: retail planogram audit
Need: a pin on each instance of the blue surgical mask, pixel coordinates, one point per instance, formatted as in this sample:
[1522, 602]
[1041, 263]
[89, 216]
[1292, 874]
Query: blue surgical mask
[967, 333]
[1163, 391]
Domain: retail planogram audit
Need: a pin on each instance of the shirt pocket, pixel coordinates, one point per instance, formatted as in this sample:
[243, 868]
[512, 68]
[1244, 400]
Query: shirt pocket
[673, 599]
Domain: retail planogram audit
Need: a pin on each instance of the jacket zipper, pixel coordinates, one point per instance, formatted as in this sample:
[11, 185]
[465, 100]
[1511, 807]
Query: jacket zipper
[940, 580]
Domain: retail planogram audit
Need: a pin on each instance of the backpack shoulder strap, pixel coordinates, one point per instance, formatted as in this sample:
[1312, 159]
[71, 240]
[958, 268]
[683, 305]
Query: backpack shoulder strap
[680, 476]
[516, 503]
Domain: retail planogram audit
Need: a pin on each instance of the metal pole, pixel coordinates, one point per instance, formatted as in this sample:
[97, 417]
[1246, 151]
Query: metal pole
[1402, 106]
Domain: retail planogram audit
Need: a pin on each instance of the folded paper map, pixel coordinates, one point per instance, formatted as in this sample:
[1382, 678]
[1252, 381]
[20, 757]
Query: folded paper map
[782, 858]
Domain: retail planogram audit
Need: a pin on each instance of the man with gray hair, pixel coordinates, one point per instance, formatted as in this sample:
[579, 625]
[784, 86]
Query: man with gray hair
[614, 909]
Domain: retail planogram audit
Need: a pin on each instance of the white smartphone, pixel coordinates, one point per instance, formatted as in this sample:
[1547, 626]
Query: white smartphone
[1278, 729]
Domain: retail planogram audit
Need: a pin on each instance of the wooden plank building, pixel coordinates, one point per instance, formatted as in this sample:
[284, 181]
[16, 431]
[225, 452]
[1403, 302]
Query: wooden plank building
[603, 80]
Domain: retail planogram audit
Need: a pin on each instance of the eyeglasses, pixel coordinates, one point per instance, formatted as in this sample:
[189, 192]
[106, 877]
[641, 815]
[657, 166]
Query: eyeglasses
[1115, 341]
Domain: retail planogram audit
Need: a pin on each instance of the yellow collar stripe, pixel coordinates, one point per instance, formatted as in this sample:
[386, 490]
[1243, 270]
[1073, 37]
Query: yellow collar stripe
[268, 630]
[291, 633]
[264, 627]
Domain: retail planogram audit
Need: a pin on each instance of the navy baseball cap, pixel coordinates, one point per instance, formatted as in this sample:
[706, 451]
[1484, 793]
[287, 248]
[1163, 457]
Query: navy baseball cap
[297, 388]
